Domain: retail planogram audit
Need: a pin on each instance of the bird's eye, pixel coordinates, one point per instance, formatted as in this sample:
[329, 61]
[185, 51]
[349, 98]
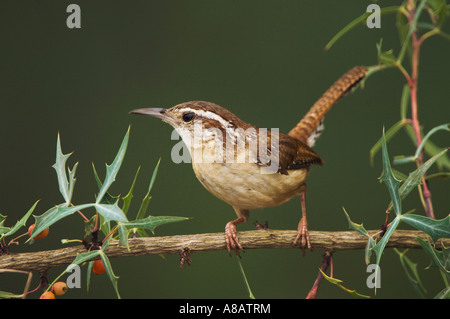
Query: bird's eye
[187, 117]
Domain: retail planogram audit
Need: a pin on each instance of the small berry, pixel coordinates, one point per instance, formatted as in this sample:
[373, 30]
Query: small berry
[98, 267]
[47, 295]
[41, 235]
[59, 288]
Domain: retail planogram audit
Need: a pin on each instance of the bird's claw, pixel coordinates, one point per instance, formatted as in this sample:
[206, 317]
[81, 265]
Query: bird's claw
[232, 240]
[302, 232]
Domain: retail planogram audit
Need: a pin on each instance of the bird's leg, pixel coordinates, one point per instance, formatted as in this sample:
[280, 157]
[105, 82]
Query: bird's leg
[302, 230]
[230, 231]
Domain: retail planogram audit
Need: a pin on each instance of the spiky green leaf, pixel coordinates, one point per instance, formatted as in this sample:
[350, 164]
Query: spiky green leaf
[411, 272]
[339, 282]
[54, 215]
[113, 169]
[439, 258]
[129, 196]
[389, 179]
[65, 187]
[145, 201]
[151, 222]
[110, 212]
[435, 228]
[20, 223]
[110, 273]
[358, 227]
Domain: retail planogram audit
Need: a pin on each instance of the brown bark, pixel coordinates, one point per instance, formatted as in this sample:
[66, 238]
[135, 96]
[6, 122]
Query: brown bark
[256, 239]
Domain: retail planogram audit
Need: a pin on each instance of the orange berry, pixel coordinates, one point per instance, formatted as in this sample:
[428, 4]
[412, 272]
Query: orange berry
[59, 288]
[98, 267]
[43, 234]
[47, 295]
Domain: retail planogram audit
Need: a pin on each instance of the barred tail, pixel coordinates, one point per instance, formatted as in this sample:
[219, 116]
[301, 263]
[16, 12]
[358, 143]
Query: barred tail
[310, 126]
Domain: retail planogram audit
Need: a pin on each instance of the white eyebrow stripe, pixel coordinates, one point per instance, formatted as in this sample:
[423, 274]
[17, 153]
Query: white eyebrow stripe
[209, 115]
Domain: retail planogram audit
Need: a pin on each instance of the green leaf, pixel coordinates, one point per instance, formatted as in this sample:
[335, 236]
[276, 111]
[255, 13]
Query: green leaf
[443, 294]
[386, 57]
[250, 293]
[415, 177]
[113, 169]
[389, 179]
[65, 187]
[89, 274]
[20, 223]
[435, 228]
[151, 222]
[412, 27]
[55, 214]
[9, 295]
[143, 209]
[404, 101]
[368, 250]
[360, 20]
[123, 235]
[444, 127]
[440, 259]
[79, 259]
[431, 149]
[411, 272]
[107, 198]
[389, 134]
[358, 227]
[83, 257]
[110, 212]
[440, 11]
[128, 197]
[379, 247]
[110, 272]
[338, 283]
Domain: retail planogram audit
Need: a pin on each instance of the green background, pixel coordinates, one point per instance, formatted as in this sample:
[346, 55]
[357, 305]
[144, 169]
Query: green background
[263, 60]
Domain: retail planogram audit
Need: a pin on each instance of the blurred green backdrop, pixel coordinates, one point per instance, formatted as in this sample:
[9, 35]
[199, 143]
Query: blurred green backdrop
[263, 60]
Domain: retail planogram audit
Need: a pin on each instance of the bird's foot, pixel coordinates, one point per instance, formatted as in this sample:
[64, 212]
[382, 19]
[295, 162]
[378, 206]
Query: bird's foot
[302, 232]
[231, 239]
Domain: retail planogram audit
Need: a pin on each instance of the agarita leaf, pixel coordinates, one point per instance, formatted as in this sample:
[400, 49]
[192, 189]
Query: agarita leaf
[435, 228]
[113, 169]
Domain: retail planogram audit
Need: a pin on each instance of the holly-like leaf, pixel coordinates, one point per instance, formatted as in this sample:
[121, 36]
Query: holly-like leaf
[19, 223]
[389, 179]
[151, 222]
[83, 257]
[110, 272]
[439, 259]
[339, 282]
[113, 169]
[389, 134]
[128, 197]
[435, 228]
[54, 215]
[358, 227]
[123, 235]
[110, 212]
[65, 185]
[107, 198]
[143, 209]
[411, 273]
[414, 178]
[379, 247]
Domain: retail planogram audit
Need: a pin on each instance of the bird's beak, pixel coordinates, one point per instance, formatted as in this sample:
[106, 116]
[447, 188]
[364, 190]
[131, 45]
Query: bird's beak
[155, 112]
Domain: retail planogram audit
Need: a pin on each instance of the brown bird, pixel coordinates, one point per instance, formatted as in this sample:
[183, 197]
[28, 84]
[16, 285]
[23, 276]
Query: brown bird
[250, 167]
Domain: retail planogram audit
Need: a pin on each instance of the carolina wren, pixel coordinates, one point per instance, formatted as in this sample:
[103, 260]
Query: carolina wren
[232, 159]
